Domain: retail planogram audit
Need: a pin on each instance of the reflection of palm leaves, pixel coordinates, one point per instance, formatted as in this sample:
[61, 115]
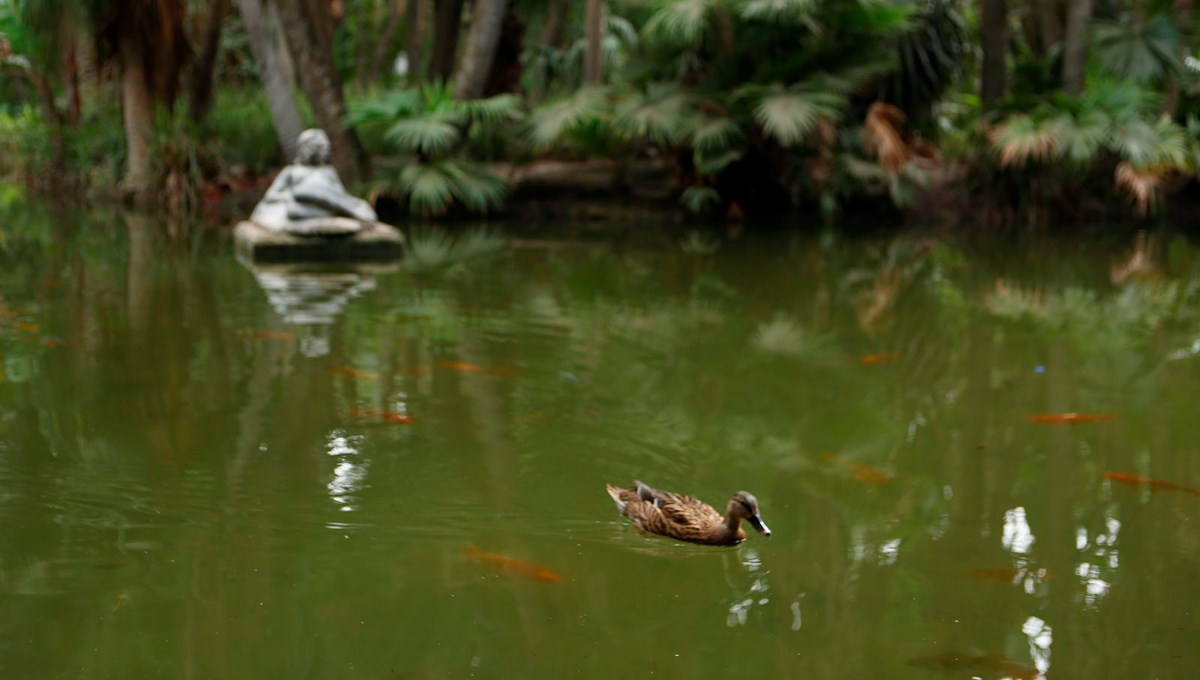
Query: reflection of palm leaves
[1144, 52]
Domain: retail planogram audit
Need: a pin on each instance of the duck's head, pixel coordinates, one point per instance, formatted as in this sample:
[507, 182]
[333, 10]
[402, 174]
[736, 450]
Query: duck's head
[745, 506]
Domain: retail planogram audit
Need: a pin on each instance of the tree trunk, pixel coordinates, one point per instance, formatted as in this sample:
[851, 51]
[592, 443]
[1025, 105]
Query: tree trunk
[418, 25]
[396, 10]
[200, 94]
[1074, 68]
[276, 84]
[319, 79]
[447, 20]
[480, 49]
[994, 26]
[1184, 12]
[1050, 22]
[556, 23]
[137, 114]
[593, 57]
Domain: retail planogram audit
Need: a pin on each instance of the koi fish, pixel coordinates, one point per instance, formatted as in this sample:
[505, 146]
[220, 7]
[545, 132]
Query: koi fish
[51, 343]
[460, 367]
[868, 359]
[386, 416]
[512, 565]
[25, 326]
[1009, 574]
[1072, 418]
[1154, 484]
[282, 336]
[354, 373]
[992, 662]
[861, 472]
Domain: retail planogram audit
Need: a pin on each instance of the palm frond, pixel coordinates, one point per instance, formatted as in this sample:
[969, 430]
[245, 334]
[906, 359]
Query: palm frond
[492, 110]
[1080, 138]
[383, 108]
[714, 134]
[788, 115]
[882, 136]
[1144, 51]
[1021, 139]
[788, 12]
[429, 191]
[681, 22]
[427, 135]
[1141, 185]
[660, 116]
[472, 185]
[622, 29]
[1136, 141]
[552, 123]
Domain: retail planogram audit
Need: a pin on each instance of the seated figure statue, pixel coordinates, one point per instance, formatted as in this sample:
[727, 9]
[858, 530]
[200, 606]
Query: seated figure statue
[308, 199]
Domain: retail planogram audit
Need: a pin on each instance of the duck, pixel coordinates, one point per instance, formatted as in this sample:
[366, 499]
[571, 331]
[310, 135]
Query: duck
[685, 518]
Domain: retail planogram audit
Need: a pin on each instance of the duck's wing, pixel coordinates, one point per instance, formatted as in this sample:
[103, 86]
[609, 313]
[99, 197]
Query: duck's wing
[685, 510]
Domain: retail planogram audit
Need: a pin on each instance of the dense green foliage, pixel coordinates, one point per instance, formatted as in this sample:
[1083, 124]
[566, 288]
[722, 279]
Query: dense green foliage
[743, 106]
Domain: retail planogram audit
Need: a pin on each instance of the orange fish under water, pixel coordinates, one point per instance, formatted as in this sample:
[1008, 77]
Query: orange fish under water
[282, 336]
[51, 343]
[869, 359]
[1072, 418]
[26, 327]
[861, 472]
[1154, 484]
[1009, 574]
[991, 662]
[513, 566]
[386, 416]
[460, 367]
[354, 373]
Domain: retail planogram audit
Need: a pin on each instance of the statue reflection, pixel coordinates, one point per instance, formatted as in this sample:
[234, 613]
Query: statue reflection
[749, 585]
[311, 296]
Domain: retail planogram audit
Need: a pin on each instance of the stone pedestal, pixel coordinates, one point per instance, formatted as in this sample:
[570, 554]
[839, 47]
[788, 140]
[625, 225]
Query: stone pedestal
[376, 242]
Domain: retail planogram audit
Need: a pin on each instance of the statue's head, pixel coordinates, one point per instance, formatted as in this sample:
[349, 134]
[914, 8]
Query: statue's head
[312, 147]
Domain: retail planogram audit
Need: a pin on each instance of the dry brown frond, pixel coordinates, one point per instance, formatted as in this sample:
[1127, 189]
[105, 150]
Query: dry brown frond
[1008, 299]
[882, 136]
[1140, 263]
[1141, 184]
[1020, 139]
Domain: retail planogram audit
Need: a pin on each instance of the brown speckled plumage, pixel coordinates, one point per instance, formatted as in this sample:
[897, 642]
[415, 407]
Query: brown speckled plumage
[684, 517]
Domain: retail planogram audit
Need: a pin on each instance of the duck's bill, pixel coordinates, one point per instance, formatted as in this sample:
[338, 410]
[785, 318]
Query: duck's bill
[760, 526]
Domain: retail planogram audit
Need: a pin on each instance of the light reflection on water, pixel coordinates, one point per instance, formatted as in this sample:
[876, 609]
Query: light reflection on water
[164, 473]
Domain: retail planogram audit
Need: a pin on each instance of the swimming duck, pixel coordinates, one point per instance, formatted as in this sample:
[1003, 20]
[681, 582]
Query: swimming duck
[685, 518]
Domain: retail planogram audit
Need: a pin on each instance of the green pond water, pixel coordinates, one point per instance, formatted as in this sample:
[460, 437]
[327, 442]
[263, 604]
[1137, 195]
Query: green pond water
[199, 477]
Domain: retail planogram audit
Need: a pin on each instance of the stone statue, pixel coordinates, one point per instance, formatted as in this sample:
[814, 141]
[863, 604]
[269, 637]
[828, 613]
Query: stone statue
[308, 199]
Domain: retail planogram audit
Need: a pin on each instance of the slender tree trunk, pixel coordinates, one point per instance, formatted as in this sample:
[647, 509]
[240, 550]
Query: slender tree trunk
[1184, 13]
[556, 22]
[1074, 68]
[276, 84]
[593, 57]
[396, 10]
[200, 94]
[138, 116]
[417, 19]
[1050, 23]
[319, 78]
[994, 26]
[486, 22]
[447, 20]
[74, 102]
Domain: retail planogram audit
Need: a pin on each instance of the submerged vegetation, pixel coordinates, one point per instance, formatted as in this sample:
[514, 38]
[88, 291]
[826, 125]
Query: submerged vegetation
[733, 107]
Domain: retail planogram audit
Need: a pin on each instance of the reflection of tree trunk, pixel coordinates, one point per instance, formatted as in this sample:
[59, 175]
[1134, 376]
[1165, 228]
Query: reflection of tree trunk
[593, 58]
[137, 115]
[447, 19]
[486, 22]
[200, 94]
[276, 84]
[306, 35]
[1074, 67]
[992, 82]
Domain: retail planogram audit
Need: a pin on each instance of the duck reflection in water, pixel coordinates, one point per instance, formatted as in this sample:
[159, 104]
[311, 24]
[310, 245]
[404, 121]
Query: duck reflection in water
[685, 518]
